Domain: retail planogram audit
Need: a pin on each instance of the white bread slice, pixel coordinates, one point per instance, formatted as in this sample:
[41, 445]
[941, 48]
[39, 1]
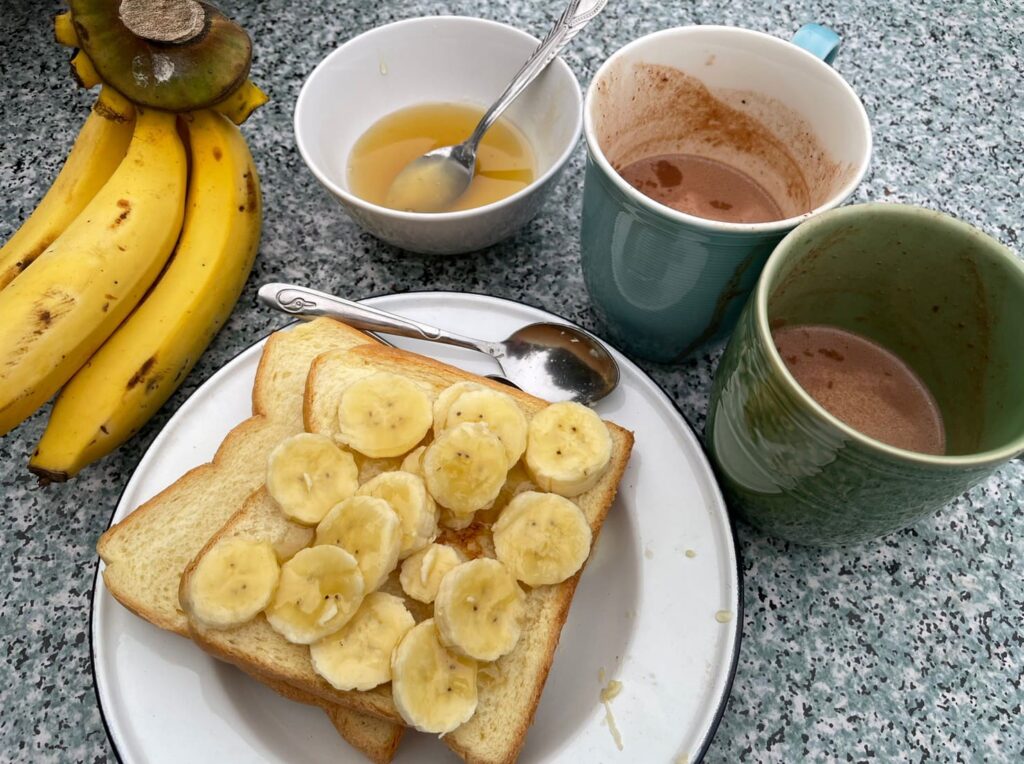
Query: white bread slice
[507, 699]
[146, 552]
[377, 739]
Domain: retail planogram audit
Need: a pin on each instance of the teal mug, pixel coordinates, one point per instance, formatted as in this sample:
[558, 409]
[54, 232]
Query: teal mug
[665, 282]
[938, 294]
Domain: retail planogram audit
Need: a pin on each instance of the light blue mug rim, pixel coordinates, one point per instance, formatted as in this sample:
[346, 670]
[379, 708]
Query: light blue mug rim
[987, 458]
[775, 226]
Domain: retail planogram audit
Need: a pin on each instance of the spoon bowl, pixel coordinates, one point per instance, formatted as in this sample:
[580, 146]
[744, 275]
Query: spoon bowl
[556, 362]
[433, 182]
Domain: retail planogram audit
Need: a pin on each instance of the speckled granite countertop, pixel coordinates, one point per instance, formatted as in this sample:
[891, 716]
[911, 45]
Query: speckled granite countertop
[909, 649]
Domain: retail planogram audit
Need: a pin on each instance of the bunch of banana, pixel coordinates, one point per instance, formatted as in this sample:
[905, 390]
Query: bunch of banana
[116, 283]
[327, 596]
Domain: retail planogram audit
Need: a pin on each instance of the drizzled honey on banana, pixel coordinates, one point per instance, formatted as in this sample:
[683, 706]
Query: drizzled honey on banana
[386, 498]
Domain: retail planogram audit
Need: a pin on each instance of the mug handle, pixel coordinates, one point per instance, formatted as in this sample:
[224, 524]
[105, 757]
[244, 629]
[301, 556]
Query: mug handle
[819, 41]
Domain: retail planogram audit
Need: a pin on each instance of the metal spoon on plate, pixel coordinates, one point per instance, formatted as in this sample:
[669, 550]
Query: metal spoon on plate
[556, 362]
[437, 179]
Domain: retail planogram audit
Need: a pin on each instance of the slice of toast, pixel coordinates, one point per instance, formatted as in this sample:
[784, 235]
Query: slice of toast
[378, 739]
[509, 693]
[146, 552]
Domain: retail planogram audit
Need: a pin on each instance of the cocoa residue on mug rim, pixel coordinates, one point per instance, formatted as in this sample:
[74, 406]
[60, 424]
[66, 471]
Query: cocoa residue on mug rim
[597, 154]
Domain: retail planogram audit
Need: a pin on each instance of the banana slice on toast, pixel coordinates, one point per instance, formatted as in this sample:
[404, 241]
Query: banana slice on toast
[465, 467]
[446, 398]
[320, 589]
[407, 495]
[542, 538]
[434, 689]
[456, 521]
[413, 461]
[368, 529]
[498, 411]
[383, 415]
[232, 583]
[308, 474]
[568, 449]
[358, 657]
[422, 572]
[290, 538]
[478, 610]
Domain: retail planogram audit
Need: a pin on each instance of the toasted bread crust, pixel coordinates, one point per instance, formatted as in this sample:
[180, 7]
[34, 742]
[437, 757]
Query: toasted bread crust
[276, 407]
[376, 739]
[191, 480]
[318, 417]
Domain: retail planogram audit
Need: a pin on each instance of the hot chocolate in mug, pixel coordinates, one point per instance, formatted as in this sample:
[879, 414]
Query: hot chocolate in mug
[698, 122]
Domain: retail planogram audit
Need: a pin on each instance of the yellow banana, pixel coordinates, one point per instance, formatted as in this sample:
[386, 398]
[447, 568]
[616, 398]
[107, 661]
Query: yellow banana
[149, 355]
[239, 105]
[59, 311]
[83, 71]
[64, 30]
[98, 150]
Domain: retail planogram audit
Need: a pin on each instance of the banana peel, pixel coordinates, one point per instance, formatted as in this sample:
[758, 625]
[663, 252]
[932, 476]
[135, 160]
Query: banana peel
[240, 105]
[145, 360]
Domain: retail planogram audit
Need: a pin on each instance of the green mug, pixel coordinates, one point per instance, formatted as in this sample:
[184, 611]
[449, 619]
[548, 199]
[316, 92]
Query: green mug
[942, 296]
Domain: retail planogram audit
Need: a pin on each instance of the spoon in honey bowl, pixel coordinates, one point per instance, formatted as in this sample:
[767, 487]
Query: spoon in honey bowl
[434, 181]
[556, 362]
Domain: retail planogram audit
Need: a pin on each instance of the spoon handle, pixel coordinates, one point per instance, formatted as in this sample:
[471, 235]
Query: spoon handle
[309, 303]
[572, 20]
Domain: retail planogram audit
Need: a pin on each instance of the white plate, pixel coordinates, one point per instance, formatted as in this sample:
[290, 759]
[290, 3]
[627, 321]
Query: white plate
[644, 613]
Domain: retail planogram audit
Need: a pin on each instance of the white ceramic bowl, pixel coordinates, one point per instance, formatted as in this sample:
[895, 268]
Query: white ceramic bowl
[441, 58]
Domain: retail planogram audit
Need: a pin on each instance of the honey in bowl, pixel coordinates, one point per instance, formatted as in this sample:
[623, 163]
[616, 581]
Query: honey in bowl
[504, 160]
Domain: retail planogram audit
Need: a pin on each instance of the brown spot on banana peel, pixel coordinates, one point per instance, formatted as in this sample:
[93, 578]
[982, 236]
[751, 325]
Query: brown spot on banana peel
[139, 375]
[52, 304]
[154, 382]
[217, 153]
[48, 476]
[126, 209]
[252, 193]
[8, 275]
[105, 111]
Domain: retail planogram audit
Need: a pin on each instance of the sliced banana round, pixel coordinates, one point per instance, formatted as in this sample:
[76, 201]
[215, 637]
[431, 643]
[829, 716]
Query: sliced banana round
[516, 482]
[465, 467]
[568, 448]
[383, 415]
[289, 538]
[413, 461]
[434, 689]
[498, 411]
[368, 529]
[358, 657]
[308, 474]
[422, 572]
[542, 538]
[407, 496]
[478, 610]
[319, 591]
[443, 402]
[232, 583]
[456, 521]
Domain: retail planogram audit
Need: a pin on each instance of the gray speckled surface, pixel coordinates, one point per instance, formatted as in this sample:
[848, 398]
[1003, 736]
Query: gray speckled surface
[911, 648]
